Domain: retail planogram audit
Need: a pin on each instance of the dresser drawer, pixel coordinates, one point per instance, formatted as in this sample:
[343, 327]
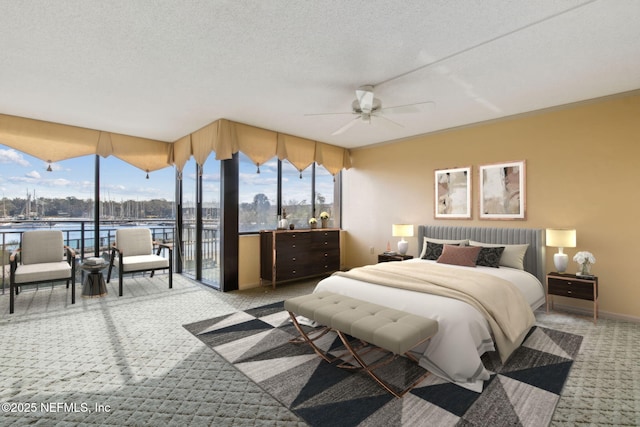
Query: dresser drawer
[294, 270]
[324, 240]
[291, 243]
[571, 288]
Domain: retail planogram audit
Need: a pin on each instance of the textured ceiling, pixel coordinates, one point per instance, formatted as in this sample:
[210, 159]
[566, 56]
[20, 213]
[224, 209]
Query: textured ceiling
[162, 69]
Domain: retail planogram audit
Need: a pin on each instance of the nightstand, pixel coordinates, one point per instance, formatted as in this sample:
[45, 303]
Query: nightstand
[393, 257]
[572, 286]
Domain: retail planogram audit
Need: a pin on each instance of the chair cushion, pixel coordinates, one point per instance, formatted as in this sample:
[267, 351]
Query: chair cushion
[134, 241]
[43, 272]
[143, 262]
[42, 246]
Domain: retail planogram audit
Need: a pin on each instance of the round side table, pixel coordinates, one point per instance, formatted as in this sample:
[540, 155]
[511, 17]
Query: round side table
[94, 286]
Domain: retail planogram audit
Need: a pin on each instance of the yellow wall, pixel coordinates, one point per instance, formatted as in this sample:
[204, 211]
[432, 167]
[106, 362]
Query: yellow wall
[249, 261]
[582, 171]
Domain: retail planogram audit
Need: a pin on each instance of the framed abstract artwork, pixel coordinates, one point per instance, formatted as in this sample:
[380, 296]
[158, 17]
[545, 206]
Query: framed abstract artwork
[502, 191]
[453, 193]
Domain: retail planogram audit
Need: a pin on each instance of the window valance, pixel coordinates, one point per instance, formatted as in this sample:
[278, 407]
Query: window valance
[227, 138]
[53, 142]
[47, 141]
[300, 152]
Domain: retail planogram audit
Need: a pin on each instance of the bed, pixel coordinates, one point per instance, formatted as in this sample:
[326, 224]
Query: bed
[467, 329]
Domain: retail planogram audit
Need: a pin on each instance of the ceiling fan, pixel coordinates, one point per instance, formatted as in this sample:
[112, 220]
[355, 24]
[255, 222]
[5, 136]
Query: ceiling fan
[366, 108]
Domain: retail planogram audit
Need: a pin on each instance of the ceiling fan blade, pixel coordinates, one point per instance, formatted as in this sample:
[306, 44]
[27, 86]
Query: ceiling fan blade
[386, 120]
[418, 107]
[328, 114]
[346, 127]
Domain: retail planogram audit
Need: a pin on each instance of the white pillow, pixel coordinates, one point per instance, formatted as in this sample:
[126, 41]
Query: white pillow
[463, 242]
[513, 255]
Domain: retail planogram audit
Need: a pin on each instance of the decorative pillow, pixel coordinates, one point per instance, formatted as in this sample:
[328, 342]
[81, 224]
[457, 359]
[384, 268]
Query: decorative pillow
[433, 251]
[459, 255]
[463, 242]
[490, 256]
[513, 255]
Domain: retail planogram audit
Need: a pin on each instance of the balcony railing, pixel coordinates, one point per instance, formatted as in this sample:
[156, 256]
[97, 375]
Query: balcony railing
[79, 235]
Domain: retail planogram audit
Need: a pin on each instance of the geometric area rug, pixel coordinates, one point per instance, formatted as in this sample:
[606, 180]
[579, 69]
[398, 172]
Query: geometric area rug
[522, 392]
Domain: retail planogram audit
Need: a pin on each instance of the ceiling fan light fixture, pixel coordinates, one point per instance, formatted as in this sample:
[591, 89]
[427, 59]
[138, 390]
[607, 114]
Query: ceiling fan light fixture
[365, 107]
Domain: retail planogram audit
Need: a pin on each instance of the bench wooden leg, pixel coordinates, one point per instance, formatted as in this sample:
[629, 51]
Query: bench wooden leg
[369, 369]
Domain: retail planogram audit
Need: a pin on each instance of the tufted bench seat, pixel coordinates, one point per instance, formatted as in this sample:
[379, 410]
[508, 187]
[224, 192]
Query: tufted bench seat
[392, 330]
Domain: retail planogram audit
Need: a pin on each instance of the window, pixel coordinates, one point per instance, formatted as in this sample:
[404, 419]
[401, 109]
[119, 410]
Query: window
[257, 195]
[211, 222]
[187, 250]
[324, 197]
[302, 195]
[130, 194]
[297, 194]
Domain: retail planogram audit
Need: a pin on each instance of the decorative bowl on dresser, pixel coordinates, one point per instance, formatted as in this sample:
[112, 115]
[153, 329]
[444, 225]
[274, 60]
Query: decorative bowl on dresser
[296, 254]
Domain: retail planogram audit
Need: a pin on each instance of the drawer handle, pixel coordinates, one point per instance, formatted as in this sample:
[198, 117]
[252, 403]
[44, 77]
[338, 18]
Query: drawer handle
[569, 283]
[568, 292]
[294, 272]
[293, 259]
[326, 243]
[293, 246]
[326, 254]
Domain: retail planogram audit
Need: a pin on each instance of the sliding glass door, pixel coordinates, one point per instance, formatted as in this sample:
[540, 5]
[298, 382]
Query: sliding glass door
[210, 213]
[200, 248]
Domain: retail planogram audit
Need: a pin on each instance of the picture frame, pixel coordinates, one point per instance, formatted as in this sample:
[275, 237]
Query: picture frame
[452, 197]
[503, 191]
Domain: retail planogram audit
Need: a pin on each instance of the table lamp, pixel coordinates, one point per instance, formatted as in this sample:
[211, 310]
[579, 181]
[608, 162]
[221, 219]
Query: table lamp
[561, 238]
[402, 231]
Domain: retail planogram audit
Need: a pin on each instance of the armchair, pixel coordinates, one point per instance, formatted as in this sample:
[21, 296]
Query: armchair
[132, 252]
[41, 259]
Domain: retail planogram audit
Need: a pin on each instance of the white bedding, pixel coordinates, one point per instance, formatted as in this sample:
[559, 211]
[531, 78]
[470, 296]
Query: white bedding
[463, 334]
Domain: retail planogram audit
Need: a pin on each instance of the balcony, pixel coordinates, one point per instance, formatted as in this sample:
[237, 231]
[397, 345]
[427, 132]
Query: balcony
[79, 235]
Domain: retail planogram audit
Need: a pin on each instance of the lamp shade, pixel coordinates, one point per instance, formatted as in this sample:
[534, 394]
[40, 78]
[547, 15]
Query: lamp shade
[561, 238]
[402, 230]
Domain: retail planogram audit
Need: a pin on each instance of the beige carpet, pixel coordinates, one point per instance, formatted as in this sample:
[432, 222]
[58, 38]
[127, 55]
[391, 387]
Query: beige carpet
[128, 361]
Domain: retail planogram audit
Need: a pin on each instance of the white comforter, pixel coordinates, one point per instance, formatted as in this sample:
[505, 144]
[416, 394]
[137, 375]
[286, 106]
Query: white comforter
[463, 333]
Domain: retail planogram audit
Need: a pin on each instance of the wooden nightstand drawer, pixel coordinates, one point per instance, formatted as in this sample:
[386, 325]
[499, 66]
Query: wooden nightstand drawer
[571, 288]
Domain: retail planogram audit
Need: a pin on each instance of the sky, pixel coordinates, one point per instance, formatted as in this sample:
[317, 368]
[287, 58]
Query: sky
[21, 173]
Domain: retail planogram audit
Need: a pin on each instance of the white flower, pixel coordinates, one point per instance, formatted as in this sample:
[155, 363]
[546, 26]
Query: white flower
[324, 215]
[584, 256]
[312, 220]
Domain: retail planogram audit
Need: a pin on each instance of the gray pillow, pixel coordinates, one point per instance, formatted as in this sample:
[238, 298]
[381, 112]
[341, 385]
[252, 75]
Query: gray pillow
[513, 255]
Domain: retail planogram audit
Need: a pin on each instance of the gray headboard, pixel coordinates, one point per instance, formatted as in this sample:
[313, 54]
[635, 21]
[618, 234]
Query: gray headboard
[534, 259]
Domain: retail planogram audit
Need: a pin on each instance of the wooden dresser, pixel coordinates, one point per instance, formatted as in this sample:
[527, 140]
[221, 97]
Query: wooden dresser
[295, 254]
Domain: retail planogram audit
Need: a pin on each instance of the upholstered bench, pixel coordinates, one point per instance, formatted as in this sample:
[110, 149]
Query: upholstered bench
[392, 330]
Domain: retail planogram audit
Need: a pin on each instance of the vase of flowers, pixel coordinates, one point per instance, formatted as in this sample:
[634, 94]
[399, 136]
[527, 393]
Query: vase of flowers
[324, 217]
[283, 222]
[313, 223]
[585, 260]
